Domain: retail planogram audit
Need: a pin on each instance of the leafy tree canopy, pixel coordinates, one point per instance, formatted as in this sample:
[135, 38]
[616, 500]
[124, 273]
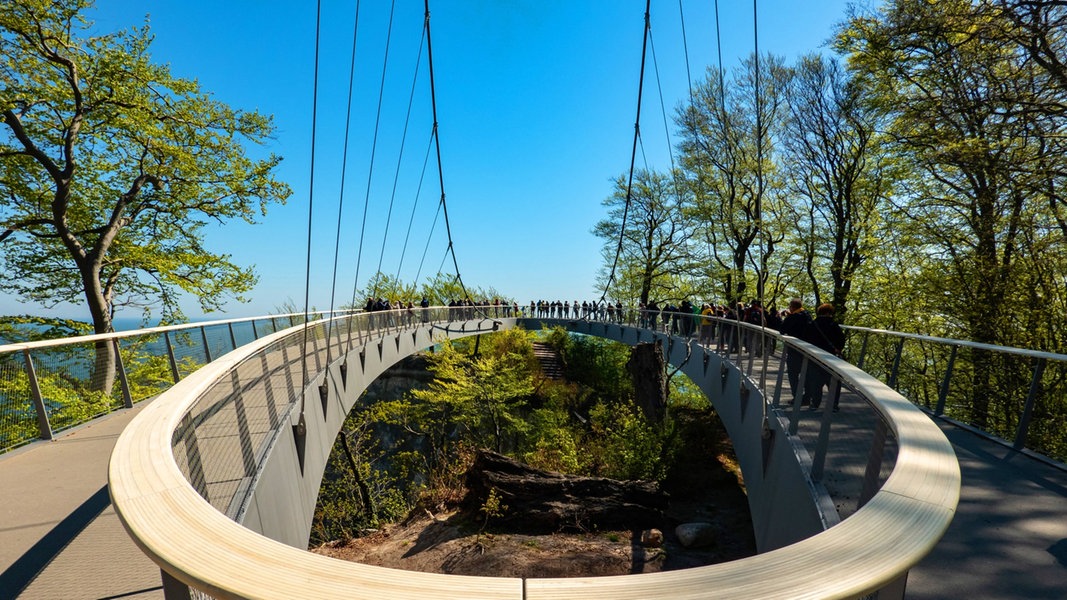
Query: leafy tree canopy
[110, 167]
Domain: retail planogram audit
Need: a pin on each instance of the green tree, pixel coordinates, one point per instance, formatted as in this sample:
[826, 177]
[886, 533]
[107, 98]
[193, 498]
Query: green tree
[655, 243]
[961, 95]
[110, 167]
[481, 395]
[838, 174]
[728, 136]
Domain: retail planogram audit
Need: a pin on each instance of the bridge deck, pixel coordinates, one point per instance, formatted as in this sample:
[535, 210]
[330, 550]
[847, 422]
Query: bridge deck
[59, 537]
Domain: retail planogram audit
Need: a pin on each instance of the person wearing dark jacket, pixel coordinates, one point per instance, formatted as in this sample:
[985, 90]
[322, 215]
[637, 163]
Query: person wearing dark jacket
[824, 333]
[795, 324]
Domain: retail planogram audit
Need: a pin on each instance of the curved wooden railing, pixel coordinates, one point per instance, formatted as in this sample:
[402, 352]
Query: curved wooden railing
[197, 544]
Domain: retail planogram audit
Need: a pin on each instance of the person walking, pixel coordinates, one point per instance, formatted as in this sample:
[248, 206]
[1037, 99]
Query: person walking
[826, 334]
[795, 324]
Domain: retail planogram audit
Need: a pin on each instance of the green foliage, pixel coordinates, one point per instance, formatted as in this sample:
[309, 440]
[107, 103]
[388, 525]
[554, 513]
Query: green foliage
[594, 363]
[623, 444]
[553, 443]
[497, 398]
[110, 168]
[492, 508]
[480, 396]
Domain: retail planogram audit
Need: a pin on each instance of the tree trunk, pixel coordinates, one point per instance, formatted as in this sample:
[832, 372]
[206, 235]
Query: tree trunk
[648, 370]
[361, 484]
[543, 501]
[105, 363]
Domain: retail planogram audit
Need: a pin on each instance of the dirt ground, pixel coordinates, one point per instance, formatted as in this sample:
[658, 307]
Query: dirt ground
[705, 488]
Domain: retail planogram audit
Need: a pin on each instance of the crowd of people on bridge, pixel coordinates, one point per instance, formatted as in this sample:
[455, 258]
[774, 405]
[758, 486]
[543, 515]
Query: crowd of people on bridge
[711, 324]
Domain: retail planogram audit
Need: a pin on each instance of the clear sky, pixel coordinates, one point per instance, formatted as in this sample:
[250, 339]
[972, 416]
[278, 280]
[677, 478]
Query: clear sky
[536, 103]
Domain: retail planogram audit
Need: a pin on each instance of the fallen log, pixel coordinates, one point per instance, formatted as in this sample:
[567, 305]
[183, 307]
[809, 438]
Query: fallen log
[543, 501]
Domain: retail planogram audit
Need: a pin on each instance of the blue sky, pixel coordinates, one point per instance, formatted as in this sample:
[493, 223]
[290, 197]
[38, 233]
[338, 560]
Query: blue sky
[536, 104]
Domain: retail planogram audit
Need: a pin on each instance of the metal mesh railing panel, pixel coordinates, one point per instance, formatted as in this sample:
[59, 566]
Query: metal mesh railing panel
[147, 366]
[77, 382]
[18, 417]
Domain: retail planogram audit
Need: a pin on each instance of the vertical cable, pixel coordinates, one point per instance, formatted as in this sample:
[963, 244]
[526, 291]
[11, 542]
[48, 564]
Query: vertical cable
[411, 220]
[633, 152]
[685, 49]
[761, 271]
[399, 162]
[311, 212]
[374, 149]
[437, 145]
[718, 47]
[341, 195]
[759, 158]
[663, 112]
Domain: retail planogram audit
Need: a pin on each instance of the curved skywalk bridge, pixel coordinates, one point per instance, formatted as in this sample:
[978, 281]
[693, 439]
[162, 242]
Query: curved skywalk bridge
[223, 436]
[1013, 543]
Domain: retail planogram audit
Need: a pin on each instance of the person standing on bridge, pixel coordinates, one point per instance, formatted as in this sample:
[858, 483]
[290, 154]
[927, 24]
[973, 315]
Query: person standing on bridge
[825, 333]
[707, 324]
[795, 324]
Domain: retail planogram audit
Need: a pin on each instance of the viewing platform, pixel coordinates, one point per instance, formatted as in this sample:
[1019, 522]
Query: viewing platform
[61, 538]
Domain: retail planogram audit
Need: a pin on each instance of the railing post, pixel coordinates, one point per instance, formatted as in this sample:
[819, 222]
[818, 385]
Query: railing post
[207, 348]
[255, 331]
[777, 401]
[38, 402]
[127, 398]
[173, 589]
[170, 355]
[822, 443]
[233, 338]
[896, 365]
[863, 349]
[942, 395]
[1028, 409]
[874, 464]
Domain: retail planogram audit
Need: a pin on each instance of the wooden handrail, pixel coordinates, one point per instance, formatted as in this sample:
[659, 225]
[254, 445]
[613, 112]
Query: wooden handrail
[199, 546]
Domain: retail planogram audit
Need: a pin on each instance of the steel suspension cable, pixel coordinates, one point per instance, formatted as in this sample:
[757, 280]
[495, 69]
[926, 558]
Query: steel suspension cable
[722, 108]
[374, 149]
[429, 238]
[759, 156]
[437, 144]
[633, 152]
[414, 206]
[718, 52]
[685, 50]
[663, 112]
[400, 157]
[344, 172]
[311, 203]
[761, 271]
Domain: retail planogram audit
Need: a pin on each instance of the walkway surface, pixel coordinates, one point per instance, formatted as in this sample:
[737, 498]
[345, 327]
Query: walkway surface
[1009, 536]
[60, 538]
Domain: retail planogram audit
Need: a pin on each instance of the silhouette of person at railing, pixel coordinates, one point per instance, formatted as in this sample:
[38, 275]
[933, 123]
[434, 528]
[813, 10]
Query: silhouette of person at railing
[795, 324]
[754, 339]
[824, 333]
